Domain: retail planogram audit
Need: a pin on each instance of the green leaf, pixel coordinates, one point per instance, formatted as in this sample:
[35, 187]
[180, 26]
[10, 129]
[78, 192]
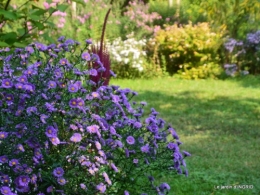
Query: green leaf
[21, 31]
[48, 38]
[51, 10]
[39, 25]
[8, 14]
[79, 1]
[8, 36]
[16, 44]
[4, 44]
[39, 11]
[62, 7]
[50, 24]
[34, 17]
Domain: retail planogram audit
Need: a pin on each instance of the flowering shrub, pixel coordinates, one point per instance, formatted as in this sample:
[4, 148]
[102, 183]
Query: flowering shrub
[140, 20]
[244, 55]
[190, 50]
[63, 133]
[128, 56]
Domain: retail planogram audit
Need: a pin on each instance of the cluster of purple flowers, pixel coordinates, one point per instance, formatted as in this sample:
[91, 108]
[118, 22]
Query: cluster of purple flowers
[63, 133]
[243, 55]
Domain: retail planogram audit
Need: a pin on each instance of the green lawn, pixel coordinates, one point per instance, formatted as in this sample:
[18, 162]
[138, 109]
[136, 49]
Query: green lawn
[219, 124]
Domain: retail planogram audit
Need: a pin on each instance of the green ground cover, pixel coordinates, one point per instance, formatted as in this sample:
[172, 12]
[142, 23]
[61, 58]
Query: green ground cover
[218, 122]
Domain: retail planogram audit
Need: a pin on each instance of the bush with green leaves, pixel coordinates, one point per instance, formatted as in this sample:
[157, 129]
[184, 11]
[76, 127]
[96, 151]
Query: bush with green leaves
[190, 50]
[21, 23]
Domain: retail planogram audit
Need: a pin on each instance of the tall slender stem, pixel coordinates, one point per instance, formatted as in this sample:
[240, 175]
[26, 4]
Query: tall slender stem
[103, 31]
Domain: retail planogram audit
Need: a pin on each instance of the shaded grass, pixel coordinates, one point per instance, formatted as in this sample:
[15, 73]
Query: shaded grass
[218, 122]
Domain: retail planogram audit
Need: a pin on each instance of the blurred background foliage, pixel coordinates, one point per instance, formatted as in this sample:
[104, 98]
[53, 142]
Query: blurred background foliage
[190, 51]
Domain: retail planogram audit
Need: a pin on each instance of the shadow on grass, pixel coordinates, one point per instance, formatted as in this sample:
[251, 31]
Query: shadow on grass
[250, 81]
[222, 134]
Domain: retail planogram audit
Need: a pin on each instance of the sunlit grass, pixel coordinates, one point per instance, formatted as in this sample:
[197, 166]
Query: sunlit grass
[218, 122]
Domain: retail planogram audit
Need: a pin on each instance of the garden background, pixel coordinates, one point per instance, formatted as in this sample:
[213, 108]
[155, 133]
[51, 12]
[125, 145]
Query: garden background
[197, 62]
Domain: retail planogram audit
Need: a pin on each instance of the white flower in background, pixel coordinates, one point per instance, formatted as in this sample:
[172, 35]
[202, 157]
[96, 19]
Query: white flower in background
[129, 51]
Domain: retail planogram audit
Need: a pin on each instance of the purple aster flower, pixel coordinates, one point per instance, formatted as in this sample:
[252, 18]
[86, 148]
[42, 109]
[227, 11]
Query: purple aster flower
[93, 72]
[29, 87]
[186, 153]
[58, 73]
[73, 103]
[43, 117]
[5, 179]
[5, 190]
[31, 110]
[95, 94]
[3, 159]
[3, 135]
[130, 140]
[61, 39]
[34, 179]
[7, 83]
[51, 131]
[50, 107]
[58, 172]
[41, 46]
[164, 187]
[63, 61]
[23, 180]
[86, 56]
[135, 161]
[83, 186]
[126, 193]
[145, 149]
[107, 178]
[137, 125]
[88, 41]
[172, 146]
[19, 86]
[13, 162]
[52, 84]
[98, 145]
[55, 141]
[101, 188]
[80, 102]
[113, 166]
[50, 189]
[173, 133]
[69, 42]
[29, 49]
[73, 88]
[76, 137]
[22, 79]
[20, 147]
[92, 129]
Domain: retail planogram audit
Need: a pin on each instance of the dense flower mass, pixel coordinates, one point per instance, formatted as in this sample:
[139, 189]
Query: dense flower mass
[63, 133]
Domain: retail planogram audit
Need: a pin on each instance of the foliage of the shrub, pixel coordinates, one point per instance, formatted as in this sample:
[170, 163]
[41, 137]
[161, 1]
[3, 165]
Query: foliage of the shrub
[63, 133]
[21, 23]
[243, 55]
[189, 47]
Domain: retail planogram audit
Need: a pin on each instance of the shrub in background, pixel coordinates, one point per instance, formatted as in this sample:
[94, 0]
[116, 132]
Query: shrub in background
[138, 19]
[243, 55]
[22, 22]
[63, 133]
[190, 50]
[129, 58]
